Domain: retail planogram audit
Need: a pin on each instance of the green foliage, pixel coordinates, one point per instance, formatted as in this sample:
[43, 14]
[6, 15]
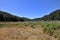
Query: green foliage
[50, 27]
[53, 16]
[1, 25]
[7, 17]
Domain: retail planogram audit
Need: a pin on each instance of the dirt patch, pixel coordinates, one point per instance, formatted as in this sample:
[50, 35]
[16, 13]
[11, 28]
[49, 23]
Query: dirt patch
[22, 33]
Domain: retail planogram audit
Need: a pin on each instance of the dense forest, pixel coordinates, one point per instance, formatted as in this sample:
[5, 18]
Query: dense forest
[5, 16]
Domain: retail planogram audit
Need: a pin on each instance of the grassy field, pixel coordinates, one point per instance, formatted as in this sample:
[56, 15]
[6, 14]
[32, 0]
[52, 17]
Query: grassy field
[33, 30]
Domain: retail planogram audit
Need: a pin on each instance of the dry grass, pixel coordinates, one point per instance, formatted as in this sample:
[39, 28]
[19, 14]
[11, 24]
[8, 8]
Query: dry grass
[23, 33]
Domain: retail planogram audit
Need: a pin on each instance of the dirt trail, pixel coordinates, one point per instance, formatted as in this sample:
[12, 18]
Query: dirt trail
[26, 33]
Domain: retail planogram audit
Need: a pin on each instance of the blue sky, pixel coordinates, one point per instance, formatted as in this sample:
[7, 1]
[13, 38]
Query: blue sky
[29, 8]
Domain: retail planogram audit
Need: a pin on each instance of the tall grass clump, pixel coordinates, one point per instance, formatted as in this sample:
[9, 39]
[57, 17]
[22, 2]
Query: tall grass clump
[50, 27]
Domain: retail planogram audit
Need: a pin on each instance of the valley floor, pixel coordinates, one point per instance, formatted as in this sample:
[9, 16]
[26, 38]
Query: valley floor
[24, 33]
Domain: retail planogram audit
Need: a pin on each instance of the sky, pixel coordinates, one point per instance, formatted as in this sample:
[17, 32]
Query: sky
[29, 8]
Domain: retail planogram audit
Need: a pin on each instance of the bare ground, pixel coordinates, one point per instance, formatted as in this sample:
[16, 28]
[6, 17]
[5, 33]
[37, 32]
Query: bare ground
[24, 33]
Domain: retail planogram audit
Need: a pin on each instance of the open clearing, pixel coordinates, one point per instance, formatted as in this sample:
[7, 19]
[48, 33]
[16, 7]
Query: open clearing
[18, 32]
[23, 34]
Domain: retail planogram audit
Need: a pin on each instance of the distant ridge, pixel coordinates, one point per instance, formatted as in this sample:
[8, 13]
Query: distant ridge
[53, 16]
[7, 17]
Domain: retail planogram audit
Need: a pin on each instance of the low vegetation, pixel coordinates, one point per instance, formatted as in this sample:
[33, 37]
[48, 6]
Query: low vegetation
[51, 28]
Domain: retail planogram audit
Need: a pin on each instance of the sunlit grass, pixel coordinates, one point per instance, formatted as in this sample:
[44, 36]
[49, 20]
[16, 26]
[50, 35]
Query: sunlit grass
[49, 27]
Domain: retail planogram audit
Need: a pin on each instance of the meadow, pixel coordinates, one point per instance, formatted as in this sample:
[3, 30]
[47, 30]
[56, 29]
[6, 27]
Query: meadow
[30, 30]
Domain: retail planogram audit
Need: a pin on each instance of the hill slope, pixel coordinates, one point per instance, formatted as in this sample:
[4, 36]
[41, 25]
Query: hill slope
[5, 16]
[55, 15]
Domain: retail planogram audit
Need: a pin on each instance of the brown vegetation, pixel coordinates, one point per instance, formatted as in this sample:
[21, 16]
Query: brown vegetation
[24, 33]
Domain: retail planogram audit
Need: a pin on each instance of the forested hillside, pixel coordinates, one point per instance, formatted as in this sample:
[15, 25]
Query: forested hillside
[5, 16]
[53, 16]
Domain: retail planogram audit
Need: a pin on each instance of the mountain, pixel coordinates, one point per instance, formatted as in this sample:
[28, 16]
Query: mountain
[5, 16]
[53, 16]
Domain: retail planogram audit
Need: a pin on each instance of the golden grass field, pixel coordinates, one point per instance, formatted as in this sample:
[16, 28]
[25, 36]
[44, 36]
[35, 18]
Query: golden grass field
[16, 31]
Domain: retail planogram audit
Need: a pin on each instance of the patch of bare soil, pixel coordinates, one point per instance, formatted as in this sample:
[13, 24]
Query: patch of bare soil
[24, 33]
